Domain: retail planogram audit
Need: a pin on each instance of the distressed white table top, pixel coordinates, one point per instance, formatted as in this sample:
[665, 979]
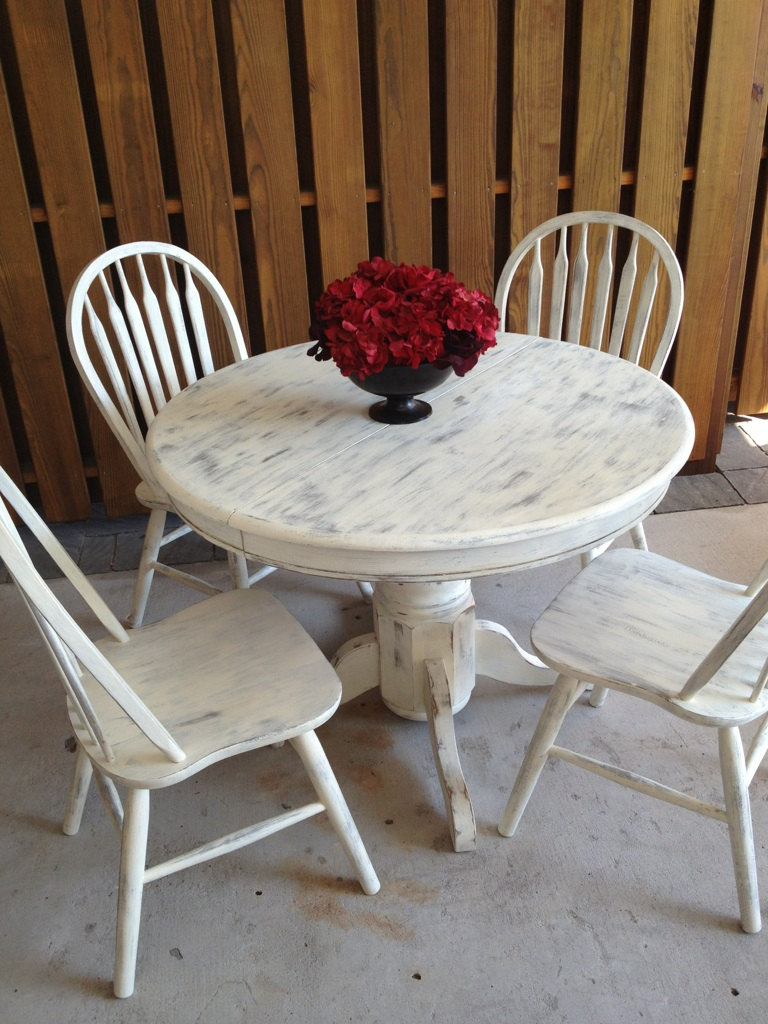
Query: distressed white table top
[544, 449]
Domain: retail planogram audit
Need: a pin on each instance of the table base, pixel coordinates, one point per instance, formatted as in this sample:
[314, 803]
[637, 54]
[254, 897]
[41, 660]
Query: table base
[424, 656]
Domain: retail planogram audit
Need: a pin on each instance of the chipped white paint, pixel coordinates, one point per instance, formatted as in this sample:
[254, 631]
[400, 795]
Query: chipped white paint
[154, 706]
[542, 451]
[635, 296]
[134, 352]
[690, 643]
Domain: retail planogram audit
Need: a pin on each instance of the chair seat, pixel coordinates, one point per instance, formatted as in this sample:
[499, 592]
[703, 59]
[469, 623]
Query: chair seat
[227, 675]
[296, 689]
[152, 497]
[649, 623]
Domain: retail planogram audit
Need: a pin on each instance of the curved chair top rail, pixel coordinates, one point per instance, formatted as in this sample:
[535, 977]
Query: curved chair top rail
[149, 332]
[632, 300]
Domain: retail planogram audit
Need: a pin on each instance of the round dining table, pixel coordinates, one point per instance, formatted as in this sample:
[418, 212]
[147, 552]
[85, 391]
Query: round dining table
[542, 451]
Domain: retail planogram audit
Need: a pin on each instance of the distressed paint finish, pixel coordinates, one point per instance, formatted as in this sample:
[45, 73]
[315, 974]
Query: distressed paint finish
[156, 705]
[690, 643]
[543, 450]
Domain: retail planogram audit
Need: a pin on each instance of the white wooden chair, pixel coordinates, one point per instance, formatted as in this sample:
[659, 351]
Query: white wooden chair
[153, 706]
[694, 645]
[576, 292]
[618, 317]
[138, 323]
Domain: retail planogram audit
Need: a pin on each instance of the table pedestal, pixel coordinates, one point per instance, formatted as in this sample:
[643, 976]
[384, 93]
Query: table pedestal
[420, 621]
[424, 656]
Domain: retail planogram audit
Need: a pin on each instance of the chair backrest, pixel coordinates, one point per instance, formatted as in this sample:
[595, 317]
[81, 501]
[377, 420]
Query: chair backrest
[138, 320]
[72, 650]
[575, 279]
[739, 631]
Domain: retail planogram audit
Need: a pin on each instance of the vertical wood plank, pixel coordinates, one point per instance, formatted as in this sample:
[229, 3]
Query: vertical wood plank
[46, 65]
[744, 224]
[664, 129]
[606, 34]
[402, 50]
[666, 103]
[470, 74]
[32, 347]
[603, 78]
[537, 88]
[733, 109]
[121, 82]
[119, 68]
[333, 67]
[753, 384]
[8, 456]
[264, 84]
[200, 142]
[537, 91]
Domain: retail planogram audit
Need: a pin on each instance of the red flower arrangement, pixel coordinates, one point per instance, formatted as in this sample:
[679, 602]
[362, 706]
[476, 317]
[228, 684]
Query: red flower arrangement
[388, 315]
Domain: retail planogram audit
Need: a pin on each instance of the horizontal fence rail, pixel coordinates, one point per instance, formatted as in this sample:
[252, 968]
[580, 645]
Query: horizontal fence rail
[283, 141]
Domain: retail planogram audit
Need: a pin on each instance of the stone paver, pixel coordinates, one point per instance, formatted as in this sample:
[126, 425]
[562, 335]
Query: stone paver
[752, 484]
[740, 451]
[707, 490]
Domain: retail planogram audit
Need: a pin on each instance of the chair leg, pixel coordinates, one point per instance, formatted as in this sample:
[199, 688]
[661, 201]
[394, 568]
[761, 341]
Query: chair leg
[597, 696]
[78, 792]
[562, 696]
[599, 693]
[241, 576]
[309, 749]
[153, 538]
[238, 570]
[133, 854]
[637, 533]
[735, 789]
[757, 749]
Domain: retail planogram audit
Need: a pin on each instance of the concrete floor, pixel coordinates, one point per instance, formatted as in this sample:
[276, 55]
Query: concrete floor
[606, 907]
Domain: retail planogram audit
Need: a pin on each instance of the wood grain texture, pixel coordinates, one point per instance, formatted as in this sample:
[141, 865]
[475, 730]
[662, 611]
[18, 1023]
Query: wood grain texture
[233, 97]
[753, 387]
[753, 382]
[123, 95]
[664, 127]
[704, 342]
[666, 105]
[743, 222]
[199, 135]
[603, 77]
[470, 70]
[603, 80]
[569, 446]
[266, 112]
[56, 121]
[333, 69]
[8, 455]
[537, 66]
[404, 124]
[118, 63]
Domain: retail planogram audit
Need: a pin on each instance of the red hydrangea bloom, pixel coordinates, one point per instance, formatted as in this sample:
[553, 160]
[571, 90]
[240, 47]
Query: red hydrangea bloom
[390, 315]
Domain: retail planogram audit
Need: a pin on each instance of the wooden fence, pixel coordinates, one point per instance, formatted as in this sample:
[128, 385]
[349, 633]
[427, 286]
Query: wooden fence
[283, 141]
